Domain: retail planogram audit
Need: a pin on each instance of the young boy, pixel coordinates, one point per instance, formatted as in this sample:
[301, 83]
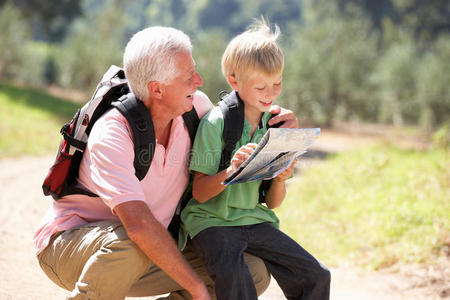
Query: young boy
[223, 222]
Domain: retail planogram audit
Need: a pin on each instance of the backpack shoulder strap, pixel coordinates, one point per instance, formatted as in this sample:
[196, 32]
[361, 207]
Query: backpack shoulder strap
[141, 124]
[191, 120]
[232, 109]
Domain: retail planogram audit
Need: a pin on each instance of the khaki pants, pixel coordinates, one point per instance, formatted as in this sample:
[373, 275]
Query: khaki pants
[99, 261]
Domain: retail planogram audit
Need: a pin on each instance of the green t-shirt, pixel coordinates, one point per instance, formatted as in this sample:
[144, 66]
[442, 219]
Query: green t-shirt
[237, 205]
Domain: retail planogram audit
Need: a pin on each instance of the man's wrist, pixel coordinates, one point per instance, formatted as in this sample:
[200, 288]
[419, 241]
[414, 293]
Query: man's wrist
[199, 291]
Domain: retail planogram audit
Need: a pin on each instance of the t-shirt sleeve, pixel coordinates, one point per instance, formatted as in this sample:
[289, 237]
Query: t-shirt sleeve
[208, 144]
[202, 103]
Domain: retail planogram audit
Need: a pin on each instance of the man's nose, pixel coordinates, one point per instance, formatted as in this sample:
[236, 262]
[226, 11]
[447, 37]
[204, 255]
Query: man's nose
[198, 80]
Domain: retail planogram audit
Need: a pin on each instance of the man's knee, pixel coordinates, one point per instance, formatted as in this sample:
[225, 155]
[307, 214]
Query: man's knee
[260, 274]
[93, 248]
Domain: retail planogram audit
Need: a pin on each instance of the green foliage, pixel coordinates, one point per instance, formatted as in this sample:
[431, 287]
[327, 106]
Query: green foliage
[372, 207]
[15, 31]
[395, 75]
[87, 53]
[30, 121]
[35, 63]
[50, 21]
[345, 60]
[433, 84]
[328, 67]
[22, 58]
[426, 19]
[207, 52]
[218, 13]
[166, 13]
[441, 138]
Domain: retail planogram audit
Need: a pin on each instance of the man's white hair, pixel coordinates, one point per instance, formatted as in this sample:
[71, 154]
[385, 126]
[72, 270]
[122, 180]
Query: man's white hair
[150, 56]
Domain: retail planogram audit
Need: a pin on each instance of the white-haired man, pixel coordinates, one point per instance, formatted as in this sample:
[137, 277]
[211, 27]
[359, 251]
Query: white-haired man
[117, 244]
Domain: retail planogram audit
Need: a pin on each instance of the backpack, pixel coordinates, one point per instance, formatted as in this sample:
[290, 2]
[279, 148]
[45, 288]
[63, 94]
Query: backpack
[112, 91]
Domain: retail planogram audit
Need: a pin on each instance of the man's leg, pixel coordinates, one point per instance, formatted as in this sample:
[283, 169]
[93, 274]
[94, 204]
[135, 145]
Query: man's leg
[94, 261]
[297, 272]
[100, 257]
[156, 282]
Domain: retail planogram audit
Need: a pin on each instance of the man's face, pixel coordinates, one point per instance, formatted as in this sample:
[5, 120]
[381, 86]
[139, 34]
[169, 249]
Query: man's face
[178, 94]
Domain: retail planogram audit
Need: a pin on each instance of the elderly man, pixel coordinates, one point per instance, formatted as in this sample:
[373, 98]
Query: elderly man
[117, 244]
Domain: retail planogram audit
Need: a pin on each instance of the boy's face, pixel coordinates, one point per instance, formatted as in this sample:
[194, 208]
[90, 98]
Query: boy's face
[259, 91]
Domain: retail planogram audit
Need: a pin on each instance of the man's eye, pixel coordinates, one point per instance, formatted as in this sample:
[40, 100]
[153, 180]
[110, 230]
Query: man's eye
[260, 88]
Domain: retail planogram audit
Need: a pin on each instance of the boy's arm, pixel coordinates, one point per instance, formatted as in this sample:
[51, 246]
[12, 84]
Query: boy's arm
[207, 186]
[277, 191]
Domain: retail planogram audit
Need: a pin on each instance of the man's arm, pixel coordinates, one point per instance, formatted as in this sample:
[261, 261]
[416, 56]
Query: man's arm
[283, 115]
[155, 241]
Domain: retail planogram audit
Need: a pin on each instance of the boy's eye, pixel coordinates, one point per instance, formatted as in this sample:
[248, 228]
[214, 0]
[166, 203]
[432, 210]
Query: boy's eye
[277, 84]
[260, 88]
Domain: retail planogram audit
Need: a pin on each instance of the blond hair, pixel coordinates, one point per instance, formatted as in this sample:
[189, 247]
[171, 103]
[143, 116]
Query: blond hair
[255, 50]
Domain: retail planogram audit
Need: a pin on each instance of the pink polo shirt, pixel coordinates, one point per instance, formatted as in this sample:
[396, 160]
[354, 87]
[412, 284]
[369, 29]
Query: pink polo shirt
[107, 170]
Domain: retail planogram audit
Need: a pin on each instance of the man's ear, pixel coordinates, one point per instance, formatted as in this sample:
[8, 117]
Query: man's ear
[233, 82]
[156, 89]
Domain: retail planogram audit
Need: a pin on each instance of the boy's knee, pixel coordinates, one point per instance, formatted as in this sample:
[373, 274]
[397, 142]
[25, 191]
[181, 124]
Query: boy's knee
[323, 275]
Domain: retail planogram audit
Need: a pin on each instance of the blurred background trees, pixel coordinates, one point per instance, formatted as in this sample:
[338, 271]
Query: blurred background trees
[378, 61]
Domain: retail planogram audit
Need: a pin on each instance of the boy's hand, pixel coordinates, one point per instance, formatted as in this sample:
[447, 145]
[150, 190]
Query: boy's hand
[286, 174]
[283, 115]
[241, 155]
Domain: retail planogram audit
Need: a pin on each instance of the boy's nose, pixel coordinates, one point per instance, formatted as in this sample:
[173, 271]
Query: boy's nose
[271, 94]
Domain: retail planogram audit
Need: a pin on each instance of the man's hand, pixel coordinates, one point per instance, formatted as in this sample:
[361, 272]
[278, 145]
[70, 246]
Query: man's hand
[283, 115]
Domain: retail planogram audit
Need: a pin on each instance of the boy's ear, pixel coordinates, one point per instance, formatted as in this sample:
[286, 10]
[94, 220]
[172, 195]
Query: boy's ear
[233, 82]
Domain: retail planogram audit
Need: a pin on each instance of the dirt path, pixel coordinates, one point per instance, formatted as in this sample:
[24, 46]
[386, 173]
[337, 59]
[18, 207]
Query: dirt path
[22, 207]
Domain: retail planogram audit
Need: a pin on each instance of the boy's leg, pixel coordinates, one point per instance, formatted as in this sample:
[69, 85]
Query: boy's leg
[222, 252]
[297, 272]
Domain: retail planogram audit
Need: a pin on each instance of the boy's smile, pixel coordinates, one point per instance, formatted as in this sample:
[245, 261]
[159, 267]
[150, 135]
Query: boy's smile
[258, 93]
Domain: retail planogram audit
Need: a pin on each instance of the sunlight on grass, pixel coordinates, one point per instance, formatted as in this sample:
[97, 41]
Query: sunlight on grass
[372, 207]
[30, 121]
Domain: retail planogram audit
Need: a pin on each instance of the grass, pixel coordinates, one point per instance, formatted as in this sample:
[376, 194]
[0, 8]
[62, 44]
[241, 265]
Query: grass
[372, 207]
[30, 121]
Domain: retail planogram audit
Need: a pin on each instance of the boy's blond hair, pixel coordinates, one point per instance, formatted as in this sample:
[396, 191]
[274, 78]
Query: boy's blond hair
[255, 50]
